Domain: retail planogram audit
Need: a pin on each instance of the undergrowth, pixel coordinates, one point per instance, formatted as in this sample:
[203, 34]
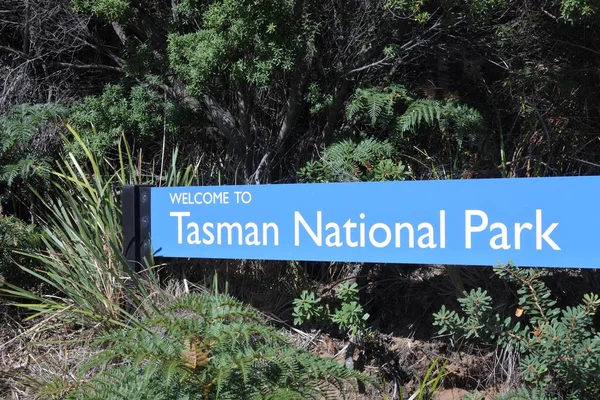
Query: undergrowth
[208, 346]
[86, 278]
[559, 347]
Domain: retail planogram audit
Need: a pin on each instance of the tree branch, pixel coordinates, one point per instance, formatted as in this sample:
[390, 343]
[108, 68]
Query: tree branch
[15, 51]
[88, 66]
[384, 59]
[120, 31]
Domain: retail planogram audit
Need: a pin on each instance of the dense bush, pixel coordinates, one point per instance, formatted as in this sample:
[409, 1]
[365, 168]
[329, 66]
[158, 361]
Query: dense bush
[140, 113]
[208, 346]
[559, 347]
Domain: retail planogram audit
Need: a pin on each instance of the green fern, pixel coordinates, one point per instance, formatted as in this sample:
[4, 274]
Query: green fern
[422, 111]
[369, 160]
[344, 158]
[381, 108]
[448, 115]
[22, 154]
[379, 104]
[19, 126]
[25, 168]
[207, 346]
[458, 123]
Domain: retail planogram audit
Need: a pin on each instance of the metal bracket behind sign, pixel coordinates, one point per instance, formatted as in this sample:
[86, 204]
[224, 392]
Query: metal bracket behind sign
[136, 226]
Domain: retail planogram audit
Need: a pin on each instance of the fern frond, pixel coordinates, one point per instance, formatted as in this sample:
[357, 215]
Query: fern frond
[422, 111]
[463, 120]
[18, 131]
[377, 103]
[25, 168]
[208, 346]
[24, 120]
[353, 108]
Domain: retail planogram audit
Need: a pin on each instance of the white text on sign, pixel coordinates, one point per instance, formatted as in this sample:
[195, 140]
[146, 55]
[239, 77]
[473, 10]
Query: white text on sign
[359, 232]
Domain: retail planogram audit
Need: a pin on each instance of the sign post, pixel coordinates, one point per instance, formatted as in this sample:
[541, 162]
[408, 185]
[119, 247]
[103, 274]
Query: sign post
[136, 226]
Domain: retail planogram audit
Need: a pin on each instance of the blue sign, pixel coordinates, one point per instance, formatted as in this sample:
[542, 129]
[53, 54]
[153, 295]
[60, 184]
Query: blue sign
[549, 222]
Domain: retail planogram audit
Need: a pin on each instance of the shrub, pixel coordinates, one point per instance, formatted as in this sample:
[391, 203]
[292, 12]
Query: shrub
[369, 160]
[559, 346]
[143, 114]
[208, 346]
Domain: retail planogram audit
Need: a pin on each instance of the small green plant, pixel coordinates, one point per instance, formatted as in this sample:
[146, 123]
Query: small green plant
[557, 346]
[307, 308]
[350, 317]
[208, 346]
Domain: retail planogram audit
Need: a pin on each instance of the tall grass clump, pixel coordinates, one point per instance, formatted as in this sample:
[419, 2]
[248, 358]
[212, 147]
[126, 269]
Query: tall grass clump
[86, 279]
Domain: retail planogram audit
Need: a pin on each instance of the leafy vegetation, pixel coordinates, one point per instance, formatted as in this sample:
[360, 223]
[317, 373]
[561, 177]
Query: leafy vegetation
[270, 91]
[101, 121]
[81, 238]
[16, 236]
[559, 347]
[348, 317]
[209, 346]
[28, 145]
[369, 160]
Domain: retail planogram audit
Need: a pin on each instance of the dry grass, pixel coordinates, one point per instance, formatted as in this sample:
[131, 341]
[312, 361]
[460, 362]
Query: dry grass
[38, 359]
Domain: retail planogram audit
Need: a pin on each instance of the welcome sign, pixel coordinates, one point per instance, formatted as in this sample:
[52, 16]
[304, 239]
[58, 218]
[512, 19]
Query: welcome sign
[550, 222]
